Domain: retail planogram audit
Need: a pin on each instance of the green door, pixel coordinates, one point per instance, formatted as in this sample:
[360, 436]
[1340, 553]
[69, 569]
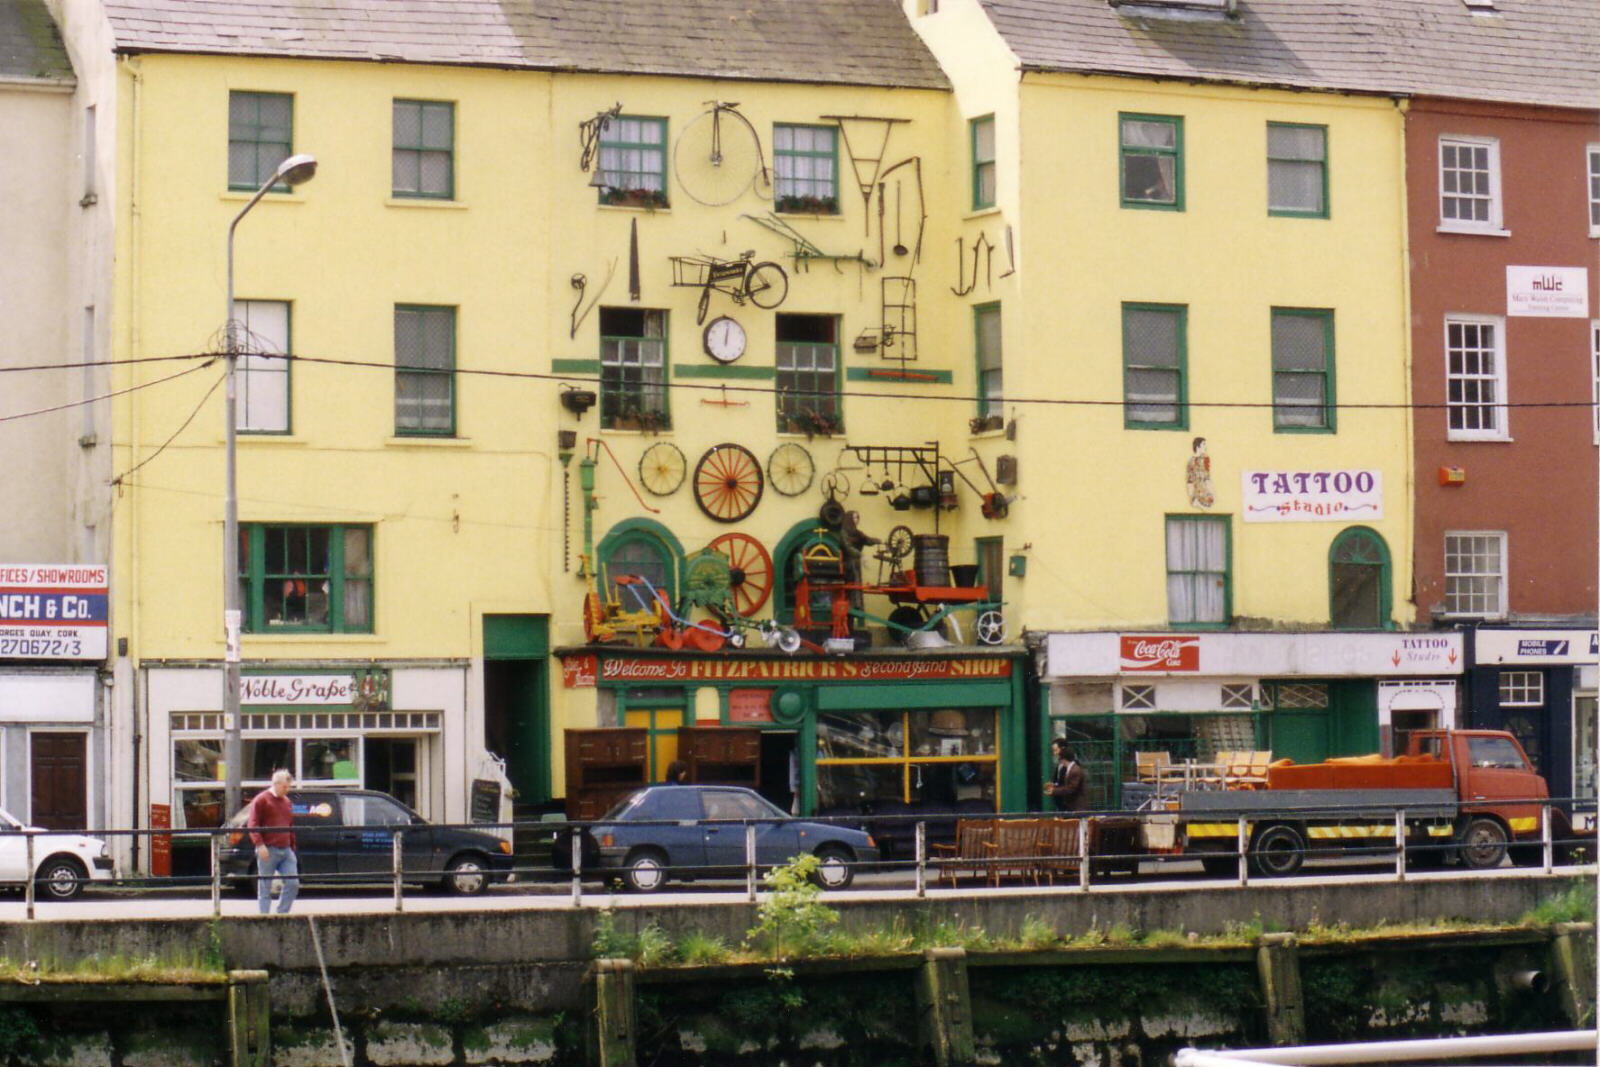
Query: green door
[516, 700]
[1301, 735]
[1355, 716]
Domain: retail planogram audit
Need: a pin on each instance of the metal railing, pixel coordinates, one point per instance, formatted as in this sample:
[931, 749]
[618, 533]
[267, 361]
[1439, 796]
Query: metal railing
[1106, 843]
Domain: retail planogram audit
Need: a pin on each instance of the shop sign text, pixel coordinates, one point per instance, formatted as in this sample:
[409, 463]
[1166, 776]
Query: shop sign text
[579, 672]
[799, 670]
[1548, 292]
[1160, 652]
[1313, 496]
[1420, 652]
[53, 611]
[280, 689]
[749, 705]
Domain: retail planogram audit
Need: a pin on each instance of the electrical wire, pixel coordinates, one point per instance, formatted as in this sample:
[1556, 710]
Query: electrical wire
[118, 480]
[106, 396]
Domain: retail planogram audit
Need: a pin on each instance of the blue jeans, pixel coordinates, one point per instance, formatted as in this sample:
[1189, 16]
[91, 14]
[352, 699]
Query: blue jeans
[286, 865]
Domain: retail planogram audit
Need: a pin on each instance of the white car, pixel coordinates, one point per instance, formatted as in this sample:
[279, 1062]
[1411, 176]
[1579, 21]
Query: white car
[62, 862]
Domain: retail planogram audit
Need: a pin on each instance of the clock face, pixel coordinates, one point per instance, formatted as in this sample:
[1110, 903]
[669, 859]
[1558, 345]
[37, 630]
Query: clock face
[724, 340]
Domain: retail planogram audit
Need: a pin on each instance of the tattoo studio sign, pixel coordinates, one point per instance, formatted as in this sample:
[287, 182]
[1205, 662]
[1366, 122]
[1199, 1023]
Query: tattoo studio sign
[1313, 496]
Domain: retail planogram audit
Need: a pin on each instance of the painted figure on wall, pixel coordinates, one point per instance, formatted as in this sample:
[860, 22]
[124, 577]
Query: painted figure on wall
[1201, 495]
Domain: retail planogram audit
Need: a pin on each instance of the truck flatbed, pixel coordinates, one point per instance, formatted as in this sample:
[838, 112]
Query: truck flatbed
[1320, 803]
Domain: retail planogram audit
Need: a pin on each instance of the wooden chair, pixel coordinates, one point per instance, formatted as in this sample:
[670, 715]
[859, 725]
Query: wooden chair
[1056, 849]
[969, 854]
[1247, 770]
[1014, 849]
[1148, 766]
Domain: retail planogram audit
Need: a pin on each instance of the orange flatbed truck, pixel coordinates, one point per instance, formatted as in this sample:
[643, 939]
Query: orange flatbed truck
[1468, 795]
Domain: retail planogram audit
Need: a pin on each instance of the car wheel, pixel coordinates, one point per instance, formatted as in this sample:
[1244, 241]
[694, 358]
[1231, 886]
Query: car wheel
[645, 870]
[466, 876]
[1482, 845]
[834, 867]
[1278, 851]
[60, 878]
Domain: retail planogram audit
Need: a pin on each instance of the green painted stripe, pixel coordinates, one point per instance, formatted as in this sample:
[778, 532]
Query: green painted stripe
[914, 695]
[878, 374]
[703, 370]
[574, 366]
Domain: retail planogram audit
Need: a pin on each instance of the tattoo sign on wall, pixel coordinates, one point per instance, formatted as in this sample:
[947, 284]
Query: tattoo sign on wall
[1313, 496]
[53, 611]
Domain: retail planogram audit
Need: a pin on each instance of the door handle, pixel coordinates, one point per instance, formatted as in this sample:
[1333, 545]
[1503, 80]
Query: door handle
[1479, 796]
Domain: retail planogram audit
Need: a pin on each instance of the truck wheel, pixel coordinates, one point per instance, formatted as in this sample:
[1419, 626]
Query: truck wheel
[1277, 851]
[1482, 844]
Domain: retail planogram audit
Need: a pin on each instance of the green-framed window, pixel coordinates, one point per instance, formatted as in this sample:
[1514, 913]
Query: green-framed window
[1360, 589]
[808, 376]
[424, 370]
[263, 371]
[1154, 366]
[1199, 583]
[1297, 170]
[633, 162]
[642, 548]
[1152, 161]
[991, 559]
[260, 136]
[306, 578]
[983, 172]
[805, 169]
[1302, 370]
[424, 149]
[990, 364]
[633, 369]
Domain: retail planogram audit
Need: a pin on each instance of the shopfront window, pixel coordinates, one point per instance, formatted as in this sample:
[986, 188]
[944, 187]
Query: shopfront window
[1583, 747]
[875, 759]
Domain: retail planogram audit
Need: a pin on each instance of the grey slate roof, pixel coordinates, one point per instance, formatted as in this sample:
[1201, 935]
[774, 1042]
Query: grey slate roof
[848, 42]
[30, 45]
[1534, 51]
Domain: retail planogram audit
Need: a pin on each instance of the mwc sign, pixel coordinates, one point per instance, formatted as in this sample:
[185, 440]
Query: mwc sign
[1160, 652]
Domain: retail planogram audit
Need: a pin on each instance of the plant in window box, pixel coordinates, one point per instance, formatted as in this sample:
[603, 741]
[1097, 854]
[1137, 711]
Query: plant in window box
[813, 423]
[633, 197]
[631, 416]
[986, 423]
[808, 205]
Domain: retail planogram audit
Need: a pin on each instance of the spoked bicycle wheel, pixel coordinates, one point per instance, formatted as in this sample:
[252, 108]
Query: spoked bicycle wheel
[717, 157]
[728, 482]
[767, 285]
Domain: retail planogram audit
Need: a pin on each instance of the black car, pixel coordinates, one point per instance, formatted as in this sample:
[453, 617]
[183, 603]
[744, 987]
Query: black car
[346, 836]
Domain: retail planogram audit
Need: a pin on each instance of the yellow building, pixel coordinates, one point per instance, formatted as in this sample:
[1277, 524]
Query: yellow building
[1210, 300]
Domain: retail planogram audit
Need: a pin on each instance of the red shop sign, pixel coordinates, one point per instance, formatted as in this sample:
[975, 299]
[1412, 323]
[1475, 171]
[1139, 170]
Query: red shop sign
[749, 705]
[1160, 652]
[579, 672]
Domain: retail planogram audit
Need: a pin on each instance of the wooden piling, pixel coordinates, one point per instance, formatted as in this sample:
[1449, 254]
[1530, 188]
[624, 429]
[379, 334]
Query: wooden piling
[611, 1029]
[1278, 963]
[249, 1019]
[944, 1008]
[1572, 959]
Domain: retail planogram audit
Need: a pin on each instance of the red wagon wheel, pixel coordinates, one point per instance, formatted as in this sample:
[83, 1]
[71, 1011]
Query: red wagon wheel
[749, 571]
[728, 482]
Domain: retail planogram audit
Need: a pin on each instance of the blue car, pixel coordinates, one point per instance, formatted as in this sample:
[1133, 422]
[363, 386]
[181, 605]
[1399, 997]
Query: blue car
[698, 831]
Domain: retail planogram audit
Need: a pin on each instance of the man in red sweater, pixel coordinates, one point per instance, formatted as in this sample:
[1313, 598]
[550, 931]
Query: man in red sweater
[271, 822]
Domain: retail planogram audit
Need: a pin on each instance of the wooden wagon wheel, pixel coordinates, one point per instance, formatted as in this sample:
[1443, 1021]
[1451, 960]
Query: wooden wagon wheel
[728, 482]
[661, 468]
[749, 571]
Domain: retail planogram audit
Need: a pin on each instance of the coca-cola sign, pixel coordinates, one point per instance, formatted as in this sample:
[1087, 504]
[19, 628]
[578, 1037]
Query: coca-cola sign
[1160, 652]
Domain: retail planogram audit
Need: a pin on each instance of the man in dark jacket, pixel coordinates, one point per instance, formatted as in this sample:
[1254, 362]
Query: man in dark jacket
[271, 823]
[1068, 786]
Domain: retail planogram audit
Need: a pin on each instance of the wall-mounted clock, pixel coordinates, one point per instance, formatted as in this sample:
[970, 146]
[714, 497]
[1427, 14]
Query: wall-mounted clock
[724, 339]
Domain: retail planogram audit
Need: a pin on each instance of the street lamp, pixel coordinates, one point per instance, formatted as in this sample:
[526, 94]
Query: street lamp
[292, 171]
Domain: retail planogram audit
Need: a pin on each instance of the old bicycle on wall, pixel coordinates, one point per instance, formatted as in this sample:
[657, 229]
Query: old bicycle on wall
[763, 284]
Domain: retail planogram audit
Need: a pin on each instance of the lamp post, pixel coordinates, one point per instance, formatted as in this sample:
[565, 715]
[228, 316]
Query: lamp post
[292, 171]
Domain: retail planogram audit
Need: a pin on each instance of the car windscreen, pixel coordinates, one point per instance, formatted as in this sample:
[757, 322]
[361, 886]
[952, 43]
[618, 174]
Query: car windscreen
[623, 806]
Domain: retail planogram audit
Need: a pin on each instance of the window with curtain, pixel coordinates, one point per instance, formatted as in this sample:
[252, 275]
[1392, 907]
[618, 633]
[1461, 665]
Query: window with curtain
[805, 169]
[1197, 570]
[423, 162]
[633, 369]
[983, 176]
[1152, 161]
[1302, 369]
[1153, 343]
[260, 136]
[425, 370]
[1297, 170]
[991, 372]
[263, 374]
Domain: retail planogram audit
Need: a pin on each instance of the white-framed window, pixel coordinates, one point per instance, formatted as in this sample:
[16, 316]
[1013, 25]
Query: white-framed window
[1522, 689]
[1469, 184]
[263, 373]
[1593, 154]
[1594, 364]
[1475, 573]
[1475, 378]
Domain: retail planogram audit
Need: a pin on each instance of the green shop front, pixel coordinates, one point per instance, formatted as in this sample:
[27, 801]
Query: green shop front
[867, 733]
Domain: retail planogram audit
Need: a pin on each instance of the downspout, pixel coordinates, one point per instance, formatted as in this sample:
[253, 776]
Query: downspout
[140, 705]
[1409, 529]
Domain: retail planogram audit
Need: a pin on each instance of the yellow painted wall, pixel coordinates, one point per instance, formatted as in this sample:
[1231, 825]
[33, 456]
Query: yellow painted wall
[1096, 494]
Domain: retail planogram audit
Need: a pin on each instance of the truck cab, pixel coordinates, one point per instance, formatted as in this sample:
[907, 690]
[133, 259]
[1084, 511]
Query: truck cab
[1501, 795]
